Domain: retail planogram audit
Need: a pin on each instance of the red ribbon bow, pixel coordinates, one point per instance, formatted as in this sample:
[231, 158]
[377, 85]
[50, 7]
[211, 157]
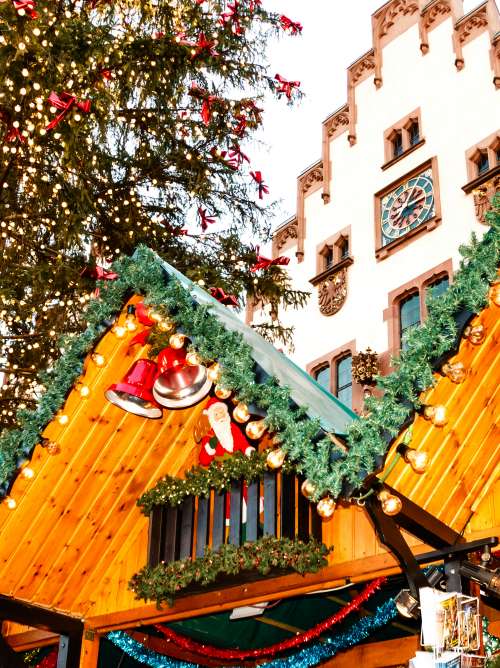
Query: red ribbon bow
[220, 156]
[254, 4]
[232, 16]
[106, 74]
[204, 44]
[284, 86]
[205, 220]
[176, 231]
[14, 134]
[264, 262]
[99, 273]
[240, 128]
[236, 154]
[259, 180]
[142, 315]
[207, 104]
[28, 6]
[65, 102]
[294, 27]
[220, 296]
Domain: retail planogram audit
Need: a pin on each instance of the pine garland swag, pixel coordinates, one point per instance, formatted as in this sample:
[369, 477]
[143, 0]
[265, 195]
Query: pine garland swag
[163, 582]
[367, 438]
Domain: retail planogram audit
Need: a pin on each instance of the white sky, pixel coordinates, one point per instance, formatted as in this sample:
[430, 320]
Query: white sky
[336, 32]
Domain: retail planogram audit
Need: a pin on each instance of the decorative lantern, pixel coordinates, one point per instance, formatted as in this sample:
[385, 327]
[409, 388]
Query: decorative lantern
[275, 459]
[179, 384]
[134, 392]
[326, 508]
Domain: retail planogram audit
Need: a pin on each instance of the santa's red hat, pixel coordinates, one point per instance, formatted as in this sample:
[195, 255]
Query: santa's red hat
[212, 401]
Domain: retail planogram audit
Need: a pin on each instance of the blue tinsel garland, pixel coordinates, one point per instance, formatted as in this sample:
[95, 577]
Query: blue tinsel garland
[305, 658]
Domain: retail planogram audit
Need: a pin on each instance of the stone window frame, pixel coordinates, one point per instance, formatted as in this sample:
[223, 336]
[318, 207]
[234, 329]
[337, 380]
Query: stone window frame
[419, 284]
[331, 360]
[402, 127]
[382, 252]
[333, 243]
[489, 145]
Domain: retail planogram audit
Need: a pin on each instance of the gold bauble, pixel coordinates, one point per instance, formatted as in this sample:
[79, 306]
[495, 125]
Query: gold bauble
[193, 359]
[240, 413]
[456, 372]
[475, 334]
[154, 315]
[176, 341]
[391, 504]
[275, 459]
[326, 507]
[255, 429]
[221, 392]
[495, 293]
[308, 488]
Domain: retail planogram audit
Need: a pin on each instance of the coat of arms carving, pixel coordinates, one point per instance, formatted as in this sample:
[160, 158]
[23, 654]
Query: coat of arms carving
[332, 292]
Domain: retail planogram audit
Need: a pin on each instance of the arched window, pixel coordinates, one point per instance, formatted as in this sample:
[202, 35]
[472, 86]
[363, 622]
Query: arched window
[409, 315]
[343, 380]
[322, 376]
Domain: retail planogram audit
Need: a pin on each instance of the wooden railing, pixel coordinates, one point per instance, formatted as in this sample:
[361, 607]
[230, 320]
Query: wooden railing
[186, 530]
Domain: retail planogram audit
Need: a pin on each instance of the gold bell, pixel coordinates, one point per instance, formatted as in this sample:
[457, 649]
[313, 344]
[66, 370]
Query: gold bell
[275, 458]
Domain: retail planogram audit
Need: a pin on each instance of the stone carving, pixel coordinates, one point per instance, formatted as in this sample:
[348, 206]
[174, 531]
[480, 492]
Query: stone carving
[363, 66]
[483, 196]
[311, 178]
[332, 292]
[399, 7]
[291, 231]
[337, 122]
[473, 23]
[433, 12]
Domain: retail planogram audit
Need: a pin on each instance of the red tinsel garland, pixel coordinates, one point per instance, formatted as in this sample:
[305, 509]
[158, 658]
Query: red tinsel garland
[301, 638]
[49, 661]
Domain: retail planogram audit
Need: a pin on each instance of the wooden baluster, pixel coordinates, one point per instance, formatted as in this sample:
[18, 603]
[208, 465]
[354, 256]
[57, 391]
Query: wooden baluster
[270, 504]
[235, 513]
[155, 541]
[303, 513]
[253, 511]
[171, 551]
[316, 523]
[219, 520]
[186, 528]
[287, 517]
[202, 525]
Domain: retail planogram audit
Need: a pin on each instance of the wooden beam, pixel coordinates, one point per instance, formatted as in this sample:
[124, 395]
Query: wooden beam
[31, 639]
[90, 649]
[41, 618]
[377, 655]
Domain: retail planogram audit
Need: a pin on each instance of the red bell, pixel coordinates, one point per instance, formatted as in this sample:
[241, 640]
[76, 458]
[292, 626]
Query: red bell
[179, 384]
[134, 392]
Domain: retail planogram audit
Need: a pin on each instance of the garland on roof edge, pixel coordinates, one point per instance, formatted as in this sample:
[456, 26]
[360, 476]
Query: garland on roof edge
[326, 465]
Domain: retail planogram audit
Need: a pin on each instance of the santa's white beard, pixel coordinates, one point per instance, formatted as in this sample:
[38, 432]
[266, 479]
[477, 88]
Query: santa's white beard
[222, 430]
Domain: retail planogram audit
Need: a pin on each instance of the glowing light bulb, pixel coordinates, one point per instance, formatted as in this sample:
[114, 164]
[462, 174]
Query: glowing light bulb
[10, 503]
[275, 459]
[326, 508]
[418, 459]
[27, 472]
[62, 418]
[84, 391]
[391, 504]
[213, 372]
[240, 413]
[98, 359]
[255, 429]
[119, 331]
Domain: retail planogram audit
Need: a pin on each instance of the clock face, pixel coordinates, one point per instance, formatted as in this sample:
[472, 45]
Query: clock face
[407, 206]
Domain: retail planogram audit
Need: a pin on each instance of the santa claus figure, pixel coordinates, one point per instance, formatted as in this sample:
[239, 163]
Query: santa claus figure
[224, 437]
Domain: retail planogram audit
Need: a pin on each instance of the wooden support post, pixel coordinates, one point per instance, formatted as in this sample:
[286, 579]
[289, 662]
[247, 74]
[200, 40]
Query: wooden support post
[90, 649]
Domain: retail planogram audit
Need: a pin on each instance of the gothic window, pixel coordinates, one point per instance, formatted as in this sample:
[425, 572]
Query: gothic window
[343, 380]
[409, 316]
[322, 376]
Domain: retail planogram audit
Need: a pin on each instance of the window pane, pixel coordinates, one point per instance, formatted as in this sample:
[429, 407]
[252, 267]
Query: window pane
[397, 144]
[414, 134]
[438, 287]
[344, 248]
[482, 163]
[344, 380]
[409, 314]
[329, 258]
[323, 377]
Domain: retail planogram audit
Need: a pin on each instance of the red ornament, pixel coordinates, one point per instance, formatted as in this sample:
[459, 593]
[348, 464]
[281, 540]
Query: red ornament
[259, 180]
[220, 156]
[277, 648]
[264, 262]
[106, 74]
[235, 153]
[65, 102]
[293, 27]
[49, 661]
[205, 219]
[220, 296]
[28, 6]
[286, 87]
[204, 44]
[12, 135]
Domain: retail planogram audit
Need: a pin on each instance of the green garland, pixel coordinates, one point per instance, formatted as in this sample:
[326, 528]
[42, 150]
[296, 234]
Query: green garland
[200, 480]
[163, 582]
[367, 438]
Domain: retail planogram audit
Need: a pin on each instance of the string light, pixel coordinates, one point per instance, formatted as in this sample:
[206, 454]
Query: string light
[10, 503]
[391, 504]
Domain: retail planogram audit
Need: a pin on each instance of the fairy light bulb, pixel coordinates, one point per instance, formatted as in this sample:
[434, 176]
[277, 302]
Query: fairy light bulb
[165, 325]
[214, 372]
[84, 391]
[119, 331]
[193, 359]
[62, 418]
[98, 359]
[326, 508]
[255, 429]
[391, 504]
[275, 458]
[436, 414]
[27, 472]
[130, 322]
[10, 503]
[417, 459]
[176, 341]
[240, 413]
